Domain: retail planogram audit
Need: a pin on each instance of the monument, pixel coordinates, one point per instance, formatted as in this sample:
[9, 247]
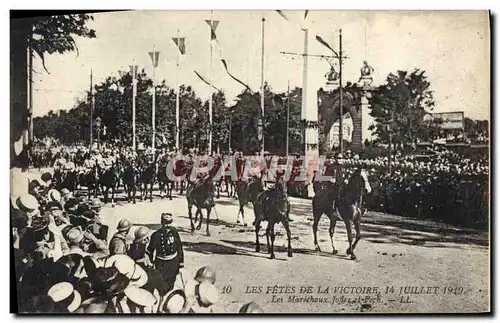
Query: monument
[355, 104]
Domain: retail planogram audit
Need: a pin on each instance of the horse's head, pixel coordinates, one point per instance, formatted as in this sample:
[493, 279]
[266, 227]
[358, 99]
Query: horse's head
[363, 176]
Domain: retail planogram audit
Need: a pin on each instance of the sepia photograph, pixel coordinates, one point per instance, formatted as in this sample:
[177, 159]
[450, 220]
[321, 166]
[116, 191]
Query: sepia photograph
[250, 162]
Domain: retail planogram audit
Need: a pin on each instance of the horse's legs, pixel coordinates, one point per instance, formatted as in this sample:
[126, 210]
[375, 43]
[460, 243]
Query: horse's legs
[209, 209]
[257, 228]
[190, 216]
[349, 235]
[358, 236]
[317, 217]
[113, 195]
[288, 236]
[273, 236]
[331, 230]
[198, 211]
[151, 191]
[268, 234]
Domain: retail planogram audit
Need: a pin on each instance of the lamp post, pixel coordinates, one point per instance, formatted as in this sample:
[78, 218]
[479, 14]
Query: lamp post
[155, 55]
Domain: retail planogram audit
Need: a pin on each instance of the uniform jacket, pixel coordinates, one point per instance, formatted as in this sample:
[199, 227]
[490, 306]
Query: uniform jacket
[166, 243]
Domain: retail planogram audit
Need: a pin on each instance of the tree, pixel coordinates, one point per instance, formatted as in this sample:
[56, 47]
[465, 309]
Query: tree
[407, 97]
[55, 34]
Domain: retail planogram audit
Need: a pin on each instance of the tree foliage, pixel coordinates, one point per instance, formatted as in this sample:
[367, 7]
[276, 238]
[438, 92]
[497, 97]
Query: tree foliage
[408, 98]
[55, 34]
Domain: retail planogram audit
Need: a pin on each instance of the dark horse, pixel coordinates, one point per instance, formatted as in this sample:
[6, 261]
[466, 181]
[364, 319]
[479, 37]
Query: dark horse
[66, 179]
[147, 178]
[272, 206]
[201, 194]
[109, 179]
[247, 192]
[131, 176]
[347, 200]
[164, 182]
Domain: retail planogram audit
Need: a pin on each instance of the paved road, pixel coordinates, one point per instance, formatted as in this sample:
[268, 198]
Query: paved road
[427, 258]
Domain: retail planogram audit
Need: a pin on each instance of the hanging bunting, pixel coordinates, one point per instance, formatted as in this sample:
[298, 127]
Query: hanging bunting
[324, 43]
[180, 42]
[208, 83]
[282, 15]
[154, 58]
[234, 78]
[213, 27]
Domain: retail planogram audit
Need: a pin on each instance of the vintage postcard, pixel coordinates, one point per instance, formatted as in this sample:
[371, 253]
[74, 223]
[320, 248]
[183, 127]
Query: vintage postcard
[250, 162]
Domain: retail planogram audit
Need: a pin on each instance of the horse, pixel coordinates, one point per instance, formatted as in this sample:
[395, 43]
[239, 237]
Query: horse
[228, 182]
[108, 179]
[90, 180]
[147, 178]
[131, 176]
[200, 194]
[247, 191]
[272, 206]
[347, 200]
[165, 184]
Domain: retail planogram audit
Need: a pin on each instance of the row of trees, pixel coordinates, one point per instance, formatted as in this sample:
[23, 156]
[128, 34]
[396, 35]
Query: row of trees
[398, 107]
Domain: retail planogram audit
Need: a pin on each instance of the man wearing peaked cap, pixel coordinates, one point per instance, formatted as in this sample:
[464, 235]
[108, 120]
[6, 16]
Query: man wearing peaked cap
[118, 243]
[167, 244]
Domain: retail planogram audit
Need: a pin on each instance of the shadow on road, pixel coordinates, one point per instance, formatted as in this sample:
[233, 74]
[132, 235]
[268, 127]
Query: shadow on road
[280, 248]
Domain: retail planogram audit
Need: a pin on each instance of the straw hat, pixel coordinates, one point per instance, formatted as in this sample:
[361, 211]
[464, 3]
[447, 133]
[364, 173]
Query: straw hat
[127, 267]
[251, 308]
[174, 302]
[64, 292]
[54, 195]
[206, 293]
[27, 203]
[140, 296]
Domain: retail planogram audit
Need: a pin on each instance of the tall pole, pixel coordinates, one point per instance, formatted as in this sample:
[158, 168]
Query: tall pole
[30, 87]
[288, 118]
[341, 130]
[153, 143]
[210, 100]
[91, 108]
[230, 129]
[303, 113]
[390, 142]
[134, 95]
[262, 86]
[177, 100]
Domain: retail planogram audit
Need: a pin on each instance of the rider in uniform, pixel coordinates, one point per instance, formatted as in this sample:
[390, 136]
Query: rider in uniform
[166, 250]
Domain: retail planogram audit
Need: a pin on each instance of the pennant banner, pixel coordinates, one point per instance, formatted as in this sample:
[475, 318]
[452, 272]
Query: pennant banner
[234, 78]
[208, 83]
[305, 14]
[282, 14]
[324, 43]
[180, 42]
[213, 27]
[154, 58]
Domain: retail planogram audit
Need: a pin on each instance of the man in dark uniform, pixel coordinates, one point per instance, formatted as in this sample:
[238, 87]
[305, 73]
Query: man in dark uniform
[169, 258]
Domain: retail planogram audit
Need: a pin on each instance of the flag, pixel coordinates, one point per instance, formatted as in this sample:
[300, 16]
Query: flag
[154, 58]
[282, 14]
[208, 83]
[305, 14]
[180, 42]
[234, 78]
[213, 27]
[324, 43]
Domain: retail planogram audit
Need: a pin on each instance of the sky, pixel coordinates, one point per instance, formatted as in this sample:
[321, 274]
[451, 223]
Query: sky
[451, 46]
